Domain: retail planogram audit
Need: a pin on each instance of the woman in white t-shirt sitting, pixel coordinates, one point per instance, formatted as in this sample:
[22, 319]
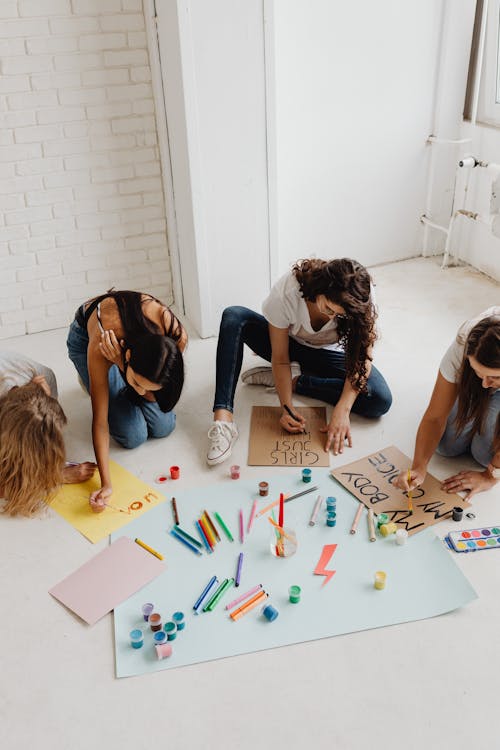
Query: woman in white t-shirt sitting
[318, 331]
[463, 413]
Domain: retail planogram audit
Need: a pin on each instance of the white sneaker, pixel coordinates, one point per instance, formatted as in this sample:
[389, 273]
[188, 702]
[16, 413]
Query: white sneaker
[263, 375]
[221, 438]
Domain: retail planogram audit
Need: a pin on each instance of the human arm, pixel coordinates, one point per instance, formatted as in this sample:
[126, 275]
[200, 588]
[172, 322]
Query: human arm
[98, 368]
[280, 362]
[78, 472]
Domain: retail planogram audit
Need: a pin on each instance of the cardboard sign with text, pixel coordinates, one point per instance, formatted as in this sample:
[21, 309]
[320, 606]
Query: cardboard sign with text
[271, 445]
[371, 479]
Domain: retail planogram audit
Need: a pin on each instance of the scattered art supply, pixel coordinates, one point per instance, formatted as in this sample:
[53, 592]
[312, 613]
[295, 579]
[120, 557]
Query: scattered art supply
[294, 593]
[175, 512]
[207, 532]
[382, 518]
[159, 637]
[131, 496]
[161, 479]
[148, 548]
[287, 500]
[371, 480]
[470, 515]
[356, 519]
[380, 579]
[238, 569]
[388, 528]
[155, 621]
[284, 542]
[263, 489]
[457, 514]
[331, 503]
[212, 582]
[281, 516]
[306, 475]
[146, 610]
[244, 596]
[136, 638]
[187, 536]
[224, 527]
[211, 604]
[179, 619]
[371, 526]
[175, 472]
[314, 514]
[211, 525]
[271, 445]
[163, 651]
[248, 606]
[401, 537]
[242, 527]
[235, 472]
[252, 516]
[326, 556]
[331, 518]
[107, 579]
[170, 629]
[204, 539]
[410, 494]
[180, 538]
[473, 540]
[269, 612]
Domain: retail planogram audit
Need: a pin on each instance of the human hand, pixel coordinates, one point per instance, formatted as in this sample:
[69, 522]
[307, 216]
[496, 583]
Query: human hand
[41, 381]
[76, 473]
[97, 499]
[293, 425]
[473, 481]
[111, 348]
[338, 431]
[417, 477]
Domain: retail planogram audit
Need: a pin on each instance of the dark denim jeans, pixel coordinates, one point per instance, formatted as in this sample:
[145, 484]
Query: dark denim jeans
[129, 424]
[323, 370]
[480, 446]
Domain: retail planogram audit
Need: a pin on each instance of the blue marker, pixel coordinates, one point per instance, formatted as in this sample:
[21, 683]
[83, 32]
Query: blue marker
[212, 582]
[203, 537]
[180, 538]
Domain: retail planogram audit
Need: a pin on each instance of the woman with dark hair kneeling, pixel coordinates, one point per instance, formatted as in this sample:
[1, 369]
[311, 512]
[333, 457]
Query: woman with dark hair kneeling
[318, 331]
[127, 349]
[463, 413]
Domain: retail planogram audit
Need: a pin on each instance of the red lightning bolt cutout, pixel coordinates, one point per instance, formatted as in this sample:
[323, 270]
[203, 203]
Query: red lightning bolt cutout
[325, 558]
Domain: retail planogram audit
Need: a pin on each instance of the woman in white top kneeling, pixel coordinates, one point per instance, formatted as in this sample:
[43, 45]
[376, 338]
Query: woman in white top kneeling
[318, 331]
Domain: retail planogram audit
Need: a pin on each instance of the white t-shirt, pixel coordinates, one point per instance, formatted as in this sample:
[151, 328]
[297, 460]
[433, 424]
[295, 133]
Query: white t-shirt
[452, 360]
[16, 369]
[286, 308]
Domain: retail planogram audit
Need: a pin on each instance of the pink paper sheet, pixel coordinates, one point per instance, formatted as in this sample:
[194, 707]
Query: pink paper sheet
[107, 579]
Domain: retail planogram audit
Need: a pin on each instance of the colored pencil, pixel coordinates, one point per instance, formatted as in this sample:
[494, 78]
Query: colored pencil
[254, 602]
[371, 526]
[244, 596]
[242, 529]
[224, 527]
[314, 514]
[281, 515]
[238, 569]
[212, 526]
[210, 605]
[207, 531]
[181, 539]
[174, 511]
[356, 518]
[252, 516]
[188, 536]
[203, 537]
[287, 500]
[148, 549]
[205, 592]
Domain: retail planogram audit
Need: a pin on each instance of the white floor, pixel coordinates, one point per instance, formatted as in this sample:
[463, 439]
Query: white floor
[431, 684]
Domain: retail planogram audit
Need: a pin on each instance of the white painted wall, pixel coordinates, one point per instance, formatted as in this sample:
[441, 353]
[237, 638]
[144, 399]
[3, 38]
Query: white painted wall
[355, 86]
[81, 203]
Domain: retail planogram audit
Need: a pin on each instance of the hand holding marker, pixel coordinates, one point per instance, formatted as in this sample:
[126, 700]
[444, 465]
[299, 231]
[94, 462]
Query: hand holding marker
[297, 418]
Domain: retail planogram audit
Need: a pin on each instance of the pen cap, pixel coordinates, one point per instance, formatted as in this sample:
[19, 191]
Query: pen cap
[163, 650]
[269, 612]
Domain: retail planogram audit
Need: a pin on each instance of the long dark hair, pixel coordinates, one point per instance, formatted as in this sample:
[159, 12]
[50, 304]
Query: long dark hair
[344, 282]
[158, 359]
[483, 343]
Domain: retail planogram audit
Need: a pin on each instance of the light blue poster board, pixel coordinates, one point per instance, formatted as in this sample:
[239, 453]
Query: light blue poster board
[422, 577]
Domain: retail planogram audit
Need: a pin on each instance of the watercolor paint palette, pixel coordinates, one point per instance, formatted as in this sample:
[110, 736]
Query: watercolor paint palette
[473, 540]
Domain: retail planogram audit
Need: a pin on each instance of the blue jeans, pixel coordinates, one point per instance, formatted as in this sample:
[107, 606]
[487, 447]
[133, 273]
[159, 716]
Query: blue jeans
[323, 370]
[480, 446]
[129, 424]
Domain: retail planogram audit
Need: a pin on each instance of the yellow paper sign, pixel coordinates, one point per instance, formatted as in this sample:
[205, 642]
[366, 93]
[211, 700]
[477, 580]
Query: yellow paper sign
[131, 498]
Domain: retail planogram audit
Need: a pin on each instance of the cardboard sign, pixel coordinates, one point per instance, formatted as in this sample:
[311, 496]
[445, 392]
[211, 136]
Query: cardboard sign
[371, 480]
[271, 445]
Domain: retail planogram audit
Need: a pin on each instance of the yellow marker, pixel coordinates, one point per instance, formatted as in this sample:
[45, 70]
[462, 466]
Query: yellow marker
[148, 549]
[410, 497]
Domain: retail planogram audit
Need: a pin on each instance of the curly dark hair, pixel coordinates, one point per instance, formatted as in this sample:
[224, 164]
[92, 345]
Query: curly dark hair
[483, 343]
[344, 282]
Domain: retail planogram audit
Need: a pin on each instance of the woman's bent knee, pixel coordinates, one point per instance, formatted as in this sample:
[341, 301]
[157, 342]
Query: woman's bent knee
[163, 427]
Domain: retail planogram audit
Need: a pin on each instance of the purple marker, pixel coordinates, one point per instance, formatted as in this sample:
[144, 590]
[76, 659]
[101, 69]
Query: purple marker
[238, 569]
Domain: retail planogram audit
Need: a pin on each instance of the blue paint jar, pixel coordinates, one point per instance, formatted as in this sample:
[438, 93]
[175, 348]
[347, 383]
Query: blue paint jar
[159, 637]
[306, 475]
[136, 638]
[331, 503]
[170, 629]
[178, 618]
[269, 612]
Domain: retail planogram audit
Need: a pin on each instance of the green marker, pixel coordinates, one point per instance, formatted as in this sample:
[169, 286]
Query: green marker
[224, 527]
[218, 595]
[187, 536]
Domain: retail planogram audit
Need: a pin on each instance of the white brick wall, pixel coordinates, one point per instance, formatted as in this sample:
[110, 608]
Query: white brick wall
[81, 205]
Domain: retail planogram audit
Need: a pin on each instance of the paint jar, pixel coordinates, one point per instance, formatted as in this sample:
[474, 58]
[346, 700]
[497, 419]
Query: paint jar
[159, 637]
[380, 578]
[306, 475]
[283, 545]
[382, 519]
[136, 638]
[388, 528]
[331, 503]
[235, 472]
[175, 472]
[170, 629]
[146, 610]
[401, 536]
[331, 518]
[457, 513]
[163, 651]
[178, 618]
[294, 594]
[155, 622]
[263, 489]
[269, 612]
